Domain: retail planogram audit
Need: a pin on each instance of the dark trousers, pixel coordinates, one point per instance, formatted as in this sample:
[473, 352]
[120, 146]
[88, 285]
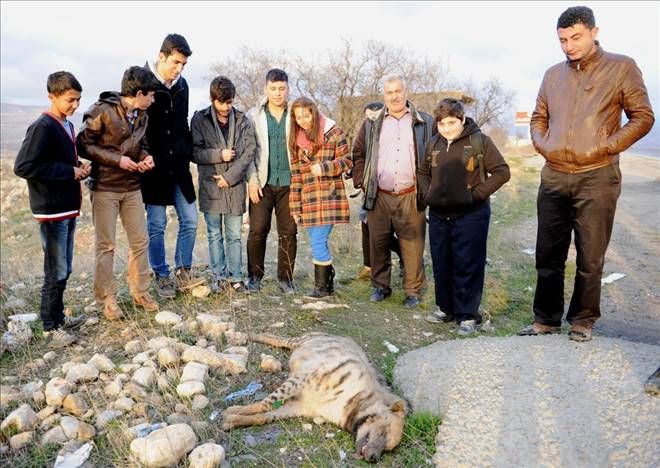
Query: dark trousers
[57, 244]
[399, 215]
[458, 251]
[583, 204]
[276, 198]
[366, 256]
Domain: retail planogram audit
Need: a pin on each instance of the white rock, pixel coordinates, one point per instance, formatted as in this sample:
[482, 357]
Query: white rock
[128, 368]
[29, 388]
[202, 343]
[44, 413]
[124, 404]
[133, 347]
[50, 356]
[22, 419]
[201, 291]
[213, 326]
[101, 362]
[195, 371]
[190, 388]
[103, 418]
[19, 441]
[9, 395]
[69, 425]
[164, 447]
[39, 397]
[18, 334]
[113, 388]
[234, 364]
[237, 350]
[204, 355]
[54, 436]
[167, 318]
[56, 390]
[168, 356]
[82, 373]
[50, 421]
[27, 318]
[14, 303]
[75, 404]
[206, 456]
[155, 344]
[141, 358]
[163, 383]
[199, 402]
[270, 363]
[145, 376]
[236, 338]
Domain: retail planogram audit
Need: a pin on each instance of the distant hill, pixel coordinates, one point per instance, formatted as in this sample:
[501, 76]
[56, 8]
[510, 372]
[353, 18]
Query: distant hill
[14, 121]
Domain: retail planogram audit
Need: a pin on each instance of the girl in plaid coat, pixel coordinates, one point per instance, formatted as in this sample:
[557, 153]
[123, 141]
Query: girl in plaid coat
[317, 200]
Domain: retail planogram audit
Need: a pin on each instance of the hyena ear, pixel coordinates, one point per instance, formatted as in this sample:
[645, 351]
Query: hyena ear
[399, 407]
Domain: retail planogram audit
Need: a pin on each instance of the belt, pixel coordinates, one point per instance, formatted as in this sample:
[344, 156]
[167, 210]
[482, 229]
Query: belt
[400, 192]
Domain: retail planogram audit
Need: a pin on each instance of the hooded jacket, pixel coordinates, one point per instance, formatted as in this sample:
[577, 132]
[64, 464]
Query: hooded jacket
[365, 152]
[105, 137]
[576, 125]
[207, 155]
[449, 179]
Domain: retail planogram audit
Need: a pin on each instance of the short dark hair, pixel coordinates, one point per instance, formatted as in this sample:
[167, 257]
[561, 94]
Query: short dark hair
[374, 106]
[175, 43]
[575, 15]
[138, 79]
[60, 82]
[449, 107]
[222, 89]
[276, 74]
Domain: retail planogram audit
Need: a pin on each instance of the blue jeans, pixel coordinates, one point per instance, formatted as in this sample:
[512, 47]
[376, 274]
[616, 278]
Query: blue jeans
[318, 238]
[185, 241]
[226, 264]
[458, 252]
[57, 244]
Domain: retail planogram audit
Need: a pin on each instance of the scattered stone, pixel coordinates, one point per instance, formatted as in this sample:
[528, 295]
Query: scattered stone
[90, 309]
[135, 391]
[75, 404]
[145, 376]
[18, 287]
[276, 325]
[195, 371]
[85, 431]
[128, 368]
[164, 447]
[206, 456]
[50, 421]
[113, 388]
[18, 334]
[234, 364]
[200, 427]
[167, 356]
[201, 291]
[37, 365]
[199, 402]
[167, 318]
[19, 441]
[29, 388]
[178, 418]
[144, 429]
[307, 427]
[203, 355]
[22, 419]
[133, 347]
[27, 318]
[54, 436]
[74, 454]
[190, 388]
[180, 408]
[70, 425]
[82, 373]
[235, 338]
[14, 303]
[101, 362]
[50, 356]
[213, 326]
[202, 343]
[237, 350]
[39, 397]
[141, 358]
[163, 383]
[9, 395]
[270, 363]
[124, 404]
[103, 418]
[44, 413]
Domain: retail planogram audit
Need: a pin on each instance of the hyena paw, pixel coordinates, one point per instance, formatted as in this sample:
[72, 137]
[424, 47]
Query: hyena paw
[228, 421]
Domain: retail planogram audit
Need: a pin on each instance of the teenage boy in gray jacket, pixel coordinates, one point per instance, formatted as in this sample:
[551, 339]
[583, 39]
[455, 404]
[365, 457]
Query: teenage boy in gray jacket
[223, 147]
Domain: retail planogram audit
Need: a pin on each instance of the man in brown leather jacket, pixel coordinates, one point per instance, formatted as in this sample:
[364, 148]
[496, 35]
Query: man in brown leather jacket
[576, 127]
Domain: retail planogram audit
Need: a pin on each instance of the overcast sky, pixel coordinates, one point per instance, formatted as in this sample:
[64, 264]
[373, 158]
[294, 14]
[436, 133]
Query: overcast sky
[96, 41]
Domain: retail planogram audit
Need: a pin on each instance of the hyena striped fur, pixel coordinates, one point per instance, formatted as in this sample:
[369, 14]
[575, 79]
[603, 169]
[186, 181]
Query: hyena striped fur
[330, 378]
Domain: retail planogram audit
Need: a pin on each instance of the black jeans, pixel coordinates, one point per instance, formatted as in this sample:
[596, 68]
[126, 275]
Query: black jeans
[57, 244]
[583, 204]
[458, 252]
[277, 198]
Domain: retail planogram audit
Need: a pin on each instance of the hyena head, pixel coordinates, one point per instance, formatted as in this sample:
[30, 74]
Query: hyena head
[380, 432]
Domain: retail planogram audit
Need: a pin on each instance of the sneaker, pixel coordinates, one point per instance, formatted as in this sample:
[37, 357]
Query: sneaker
[579, 333]
[111, 310]
[59, 338]
[253, 285]
[237, 287]
[467, 327]
[439, 317]
[220, 286]
[537, 328]
[652, 384]
[380, 294]
[71, 323]
[286, 286]
[146, 302]
[364, 274]
[185, 280]
[411, 301]
[165, 287]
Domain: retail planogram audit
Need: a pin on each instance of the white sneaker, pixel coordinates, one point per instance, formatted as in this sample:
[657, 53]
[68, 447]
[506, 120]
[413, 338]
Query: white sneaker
[467, 327]
[59, 338]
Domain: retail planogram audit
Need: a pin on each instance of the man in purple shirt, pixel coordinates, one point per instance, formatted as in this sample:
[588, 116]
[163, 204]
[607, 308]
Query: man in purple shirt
[386, 154]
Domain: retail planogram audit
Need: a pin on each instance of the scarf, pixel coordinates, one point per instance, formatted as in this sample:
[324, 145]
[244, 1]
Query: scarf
[229, 144]
[303, 141]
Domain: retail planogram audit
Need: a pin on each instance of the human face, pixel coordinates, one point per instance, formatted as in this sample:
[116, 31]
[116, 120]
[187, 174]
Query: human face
[143, 101]
[170, 67]
[64, 105]
[277, 93]
[304, 118]
[451, 127]
[394, 95]
[223, 109]
[577, 41]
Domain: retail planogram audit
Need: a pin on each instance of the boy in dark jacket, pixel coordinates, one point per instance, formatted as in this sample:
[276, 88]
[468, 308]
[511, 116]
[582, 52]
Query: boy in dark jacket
[49, 162]
[223, 147]
[113, 137]
[454, 182]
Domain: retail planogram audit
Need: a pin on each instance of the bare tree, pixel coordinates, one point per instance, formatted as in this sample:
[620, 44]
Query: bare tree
[492, 102]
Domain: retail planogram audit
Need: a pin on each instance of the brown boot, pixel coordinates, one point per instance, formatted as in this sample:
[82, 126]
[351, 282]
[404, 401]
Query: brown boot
[111, 310]
[146, 302]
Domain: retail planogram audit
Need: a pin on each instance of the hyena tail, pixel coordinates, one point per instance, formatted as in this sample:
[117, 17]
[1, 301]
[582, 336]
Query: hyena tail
[275, 341]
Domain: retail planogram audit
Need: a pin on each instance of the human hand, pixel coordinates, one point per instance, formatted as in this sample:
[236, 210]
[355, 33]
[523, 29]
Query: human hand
[78, 173]
[222, 183]
[297, 218]
[316, 170]
[146, 164]
[127, 164]
[255, 192]
[227, 154]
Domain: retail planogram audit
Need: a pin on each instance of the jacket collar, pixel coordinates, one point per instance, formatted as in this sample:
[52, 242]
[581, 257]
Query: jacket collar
[154, 69]
[416, 116]
[587, 61]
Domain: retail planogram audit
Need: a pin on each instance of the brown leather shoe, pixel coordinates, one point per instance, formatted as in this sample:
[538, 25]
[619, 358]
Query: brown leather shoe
[111, 310]
[146, 302]
[539, 329]
[579, 333]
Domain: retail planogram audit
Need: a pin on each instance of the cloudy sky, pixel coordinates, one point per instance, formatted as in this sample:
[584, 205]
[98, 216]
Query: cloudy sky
[97, 40]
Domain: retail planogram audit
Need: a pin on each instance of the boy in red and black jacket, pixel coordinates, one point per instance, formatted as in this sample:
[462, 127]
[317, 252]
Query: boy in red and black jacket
[49, 162]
